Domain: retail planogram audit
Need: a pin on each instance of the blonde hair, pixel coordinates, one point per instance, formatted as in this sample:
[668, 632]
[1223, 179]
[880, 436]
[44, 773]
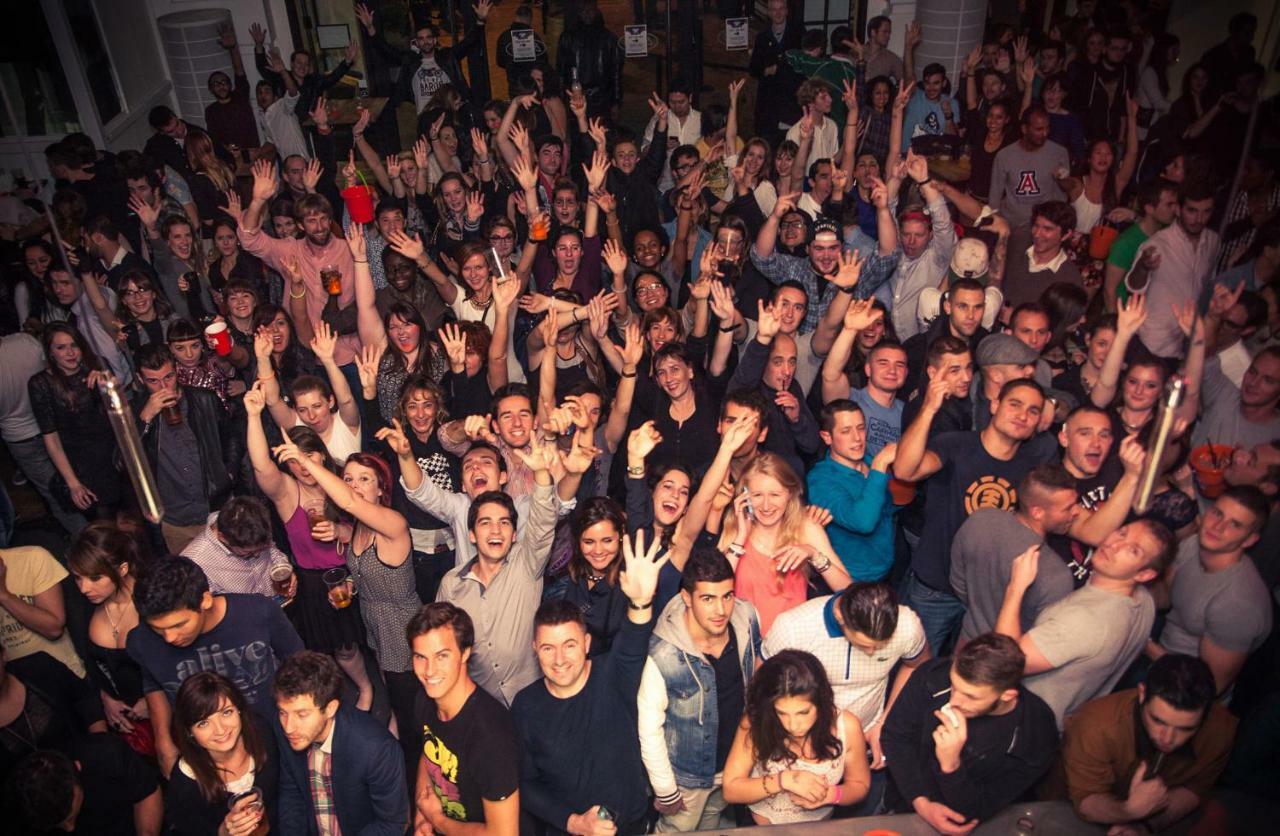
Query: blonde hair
[792, 526]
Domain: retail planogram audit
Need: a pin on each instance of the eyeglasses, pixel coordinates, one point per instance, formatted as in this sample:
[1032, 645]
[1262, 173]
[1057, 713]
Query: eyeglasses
[648, 288]
[793, 225]
[125, 294]
[501, 239]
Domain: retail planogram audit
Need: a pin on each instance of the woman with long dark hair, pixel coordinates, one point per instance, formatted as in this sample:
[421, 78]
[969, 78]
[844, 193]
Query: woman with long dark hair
[35, 304]
[1094, 187]
[278, 349]
[1000, 132]
[315, 533]
[591, 580]
[228, 260]
[226, 780]
[1153, 83]
[144, 312]
[73, 421]
[104, 561]
[379, 566]
[796, 756]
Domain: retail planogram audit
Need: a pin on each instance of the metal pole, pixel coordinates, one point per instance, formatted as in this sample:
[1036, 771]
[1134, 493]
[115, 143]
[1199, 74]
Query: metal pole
[670, 37]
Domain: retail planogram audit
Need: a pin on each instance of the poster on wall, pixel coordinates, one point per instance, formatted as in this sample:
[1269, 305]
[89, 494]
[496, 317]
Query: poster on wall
[636, 40]
[523, 45]
[736, 34]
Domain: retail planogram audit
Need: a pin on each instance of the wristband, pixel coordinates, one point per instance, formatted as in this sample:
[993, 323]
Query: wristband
[360, 260]
[826, 564]
[298, 296]
[627, 374]
[636, 472]
[632, 605]
[724, 329]
[575, 314]
[849, 290]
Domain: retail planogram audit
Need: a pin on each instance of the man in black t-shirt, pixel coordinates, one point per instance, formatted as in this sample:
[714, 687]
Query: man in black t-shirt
[469, 771]
[969, 470]
[1087, 439]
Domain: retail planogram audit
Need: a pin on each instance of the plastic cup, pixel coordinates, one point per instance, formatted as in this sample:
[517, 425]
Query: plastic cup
[341, 587]
[1101, 237]
[281, 577]
[1209, 463]
[540, 229]
[219, 337]
[331, 278]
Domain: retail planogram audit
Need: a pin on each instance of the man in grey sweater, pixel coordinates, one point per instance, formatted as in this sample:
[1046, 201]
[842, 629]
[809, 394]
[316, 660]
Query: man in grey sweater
[1025, 172]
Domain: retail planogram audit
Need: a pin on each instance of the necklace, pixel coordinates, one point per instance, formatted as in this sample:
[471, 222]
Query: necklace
[114, 622]
[593, 577]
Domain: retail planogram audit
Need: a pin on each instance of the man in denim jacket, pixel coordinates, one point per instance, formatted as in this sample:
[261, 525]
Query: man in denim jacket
[704, 650]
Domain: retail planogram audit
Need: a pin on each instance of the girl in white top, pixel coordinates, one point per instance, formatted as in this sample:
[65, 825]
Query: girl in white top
[1153, 82]
[329, 408]
[795, 755]
[1095, 191]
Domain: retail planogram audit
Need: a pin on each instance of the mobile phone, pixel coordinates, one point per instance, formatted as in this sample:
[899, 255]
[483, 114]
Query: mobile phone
[751, 511]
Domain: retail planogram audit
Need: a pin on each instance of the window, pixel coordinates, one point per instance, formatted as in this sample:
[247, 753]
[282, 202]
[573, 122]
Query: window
[34, 97]
[97, 63]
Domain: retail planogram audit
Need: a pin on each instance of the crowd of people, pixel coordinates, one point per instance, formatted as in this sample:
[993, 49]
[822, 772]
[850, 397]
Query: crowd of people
[546, 474]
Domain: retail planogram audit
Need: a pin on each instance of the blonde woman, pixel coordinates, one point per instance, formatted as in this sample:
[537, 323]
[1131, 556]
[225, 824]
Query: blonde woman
[773, 544]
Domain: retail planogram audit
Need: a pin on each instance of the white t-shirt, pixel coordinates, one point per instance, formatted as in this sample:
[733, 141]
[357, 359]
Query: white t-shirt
[427, 81]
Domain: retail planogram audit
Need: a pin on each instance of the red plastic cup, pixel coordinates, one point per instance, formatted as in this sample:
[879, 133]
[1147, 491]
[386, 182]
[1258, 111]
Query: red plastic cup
[1209, 463]
[359, 200]
[219, 337]
[1101, 237]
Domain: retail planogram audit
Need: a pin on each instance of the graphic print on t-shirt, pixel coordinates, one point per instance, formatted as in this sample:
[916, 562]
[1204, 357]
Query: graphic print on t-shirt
[989, 492]
[1028, 185]
[442, 771]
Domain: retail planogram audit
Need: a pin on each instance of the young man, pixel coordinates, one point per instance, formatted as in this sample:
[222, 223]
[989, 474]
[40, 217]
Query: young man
[1142, 760]
[236, 552]
[815, 99]
[684, 127]
[105, 245]
[229, 117]
[705, 646]
[970, 471]
[469, 770]
[1100, 92]
[1087, 440]
[509, 427]
[1220, 608]
[1023, 173]
[184, 629]
[342, 771]
[94, 784]
[881, 60]
[1184, 255]
[930, 112]
[579, 754]
[1159, 201]
[190, 443]
[501, 586]
[928, 241]
[965, 738]
[1036, 256]
[1245, 415]
[860, 635]
[951, 359]
[277, 116]
[775, 109]
[1080, 646]
[853, 485]
[963, 309]
[1002, 359]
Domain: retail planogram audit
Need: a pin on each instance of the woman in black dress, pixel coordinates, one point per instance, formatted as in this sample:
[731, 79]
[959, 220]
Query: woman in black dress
[591, 582]
[227, 777]
[74, 424]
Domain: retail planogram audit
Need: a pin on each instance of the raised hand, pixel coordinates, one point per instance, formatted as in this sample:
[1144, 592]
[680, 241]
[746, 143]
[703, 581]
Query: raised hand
[407, 245]
[658, 106]
[258, 34]
[455, 346]
[1025, 566]
[275, 61]
[362, 121]
[320, 113]
[722, 302]
[884, 459]
[349, 170]
[904, 96]
[421, 153]
[524, 173]
[475, 207]
[643, 440]
[368, 361]
[482, 9]
[324, 341]
[356, 242]
[581, 454]
[479, 144]
[1224, 299]
[393, 165]
[254, 402]
[505, 293]
[850, 96]
[1028, 71]
[596, 130]
[1131, 314]
[914, 35]
[615, 258]
[596, 172]
[311, 175]
[578, 105]
[785, 203]
[738, 433]
[550, 328]
[147, 214]
[973, 59]
[917, 166]
[604, 200]
[365, 15]
[639, 578]
[479, 428]
[767, 323]
[542, 456]
[226, 36]
[262, 343]
[849, 270]
[264, 180]
[395, 438]
[632, 350]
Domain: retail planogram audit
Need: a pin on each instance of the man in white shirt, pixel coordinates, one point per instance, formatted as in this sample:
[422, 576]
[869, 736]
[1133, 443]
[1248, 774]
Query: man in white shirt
[815, 99]
[277, 121]
[1185, 252]
[684, 127]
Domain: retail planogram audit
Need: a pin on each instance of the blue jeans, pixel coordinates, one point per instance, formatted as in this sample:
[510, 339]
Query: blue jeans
[940, 613]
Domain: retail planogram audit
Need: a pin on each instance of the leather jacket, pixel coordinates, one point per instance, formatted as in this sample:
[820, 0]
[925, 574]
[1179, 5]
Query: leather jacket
[220, 449]
[594, 51]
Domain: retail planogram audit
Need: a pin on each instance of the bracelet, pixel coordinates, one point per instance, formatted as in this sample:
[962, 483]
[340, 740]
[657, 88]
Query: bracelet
[485, 161]
[726, 329]
[266, 376]
[575, 314]
[637, 472]
[826, 564]
[627, 374]
[735, 549]
[299, 296]
[360, 260]
[839, 793]
[632, 605]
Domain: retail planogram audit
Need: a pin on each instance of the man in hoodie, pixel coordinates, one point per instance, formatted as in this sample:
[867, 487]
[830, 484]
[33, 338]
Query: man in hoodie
[1102, 89]
[965, 738]
[704, 649]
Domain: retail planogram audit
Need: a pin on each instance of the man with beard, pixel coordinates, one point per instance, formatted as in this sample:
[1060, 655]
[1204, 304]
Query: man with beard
[1244, 416]
[1184, 255]
[970, 470]
[318, 249]
[580, 755]
[342, 771]
[500, 587]
[817, 272]
[1023, 173]
[705, 646]
[468, 772]
[1100, 92]
[229, 117]
[147, 188]
[1080, 646]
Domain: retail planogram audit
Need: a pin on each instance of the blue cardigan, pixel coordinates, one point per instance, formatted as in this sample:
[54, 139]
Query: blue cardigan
[369, 791]
[861, 529]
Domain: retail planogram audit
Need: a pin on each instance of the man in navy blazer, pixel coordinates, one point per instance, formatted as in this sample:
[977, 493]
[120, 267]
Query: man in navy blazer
[358, 762]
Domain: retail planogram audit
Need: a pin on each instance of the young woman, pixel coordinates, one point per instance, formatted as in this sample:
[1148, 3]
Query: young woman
[1193, 107]
[773, 545]
[1080, 378]
[1094, 189]
[35, 304]
[228, 261]
[591, 579]
[197, 366]
[1153, 83]
[279, 352]
[225, 751]
[1066, 305]
[983, 150]
[381, 571]
[876, 119]
[574, 348]
[73, 421]
[144, 315]
[328, 407]
[103, 562]
[315, 540]
[477, 364]
[785, 175]
[213, 178]
[795, 756]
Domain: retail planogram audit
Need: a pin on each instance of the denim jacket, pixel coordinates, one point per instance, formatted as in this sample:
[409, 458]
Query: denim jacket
[677, 701]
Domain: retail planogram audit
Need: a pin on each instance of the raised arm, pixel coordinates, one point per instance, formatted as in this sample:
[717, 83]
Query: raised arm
[700, 504]
[323, 346]
[1129, 319]
[895, 126]
[835, 382]
[381, 518]
[1128, 163]
[767, 238]
[915, 460]
[632, 352]
[270, 480]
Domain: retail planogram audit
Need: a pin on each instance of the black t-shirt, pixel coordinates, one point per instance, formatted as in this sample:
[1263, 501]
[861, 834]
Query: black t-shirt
[970, 478]
[1092, 491]
[729, 697]
[470, 758]
[113, 779]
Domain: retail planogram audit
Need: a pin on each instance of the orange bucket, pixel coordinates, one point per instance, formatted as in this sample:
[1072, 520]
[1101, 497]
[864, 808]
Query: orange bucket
[359, 200]
[902, 493]
[1101, 237]
[1209, 463]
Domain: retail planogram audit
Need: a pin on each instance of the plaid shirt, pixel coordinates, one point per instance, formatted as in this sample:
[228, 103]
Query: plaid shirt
[320, 773]
[779, 268]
